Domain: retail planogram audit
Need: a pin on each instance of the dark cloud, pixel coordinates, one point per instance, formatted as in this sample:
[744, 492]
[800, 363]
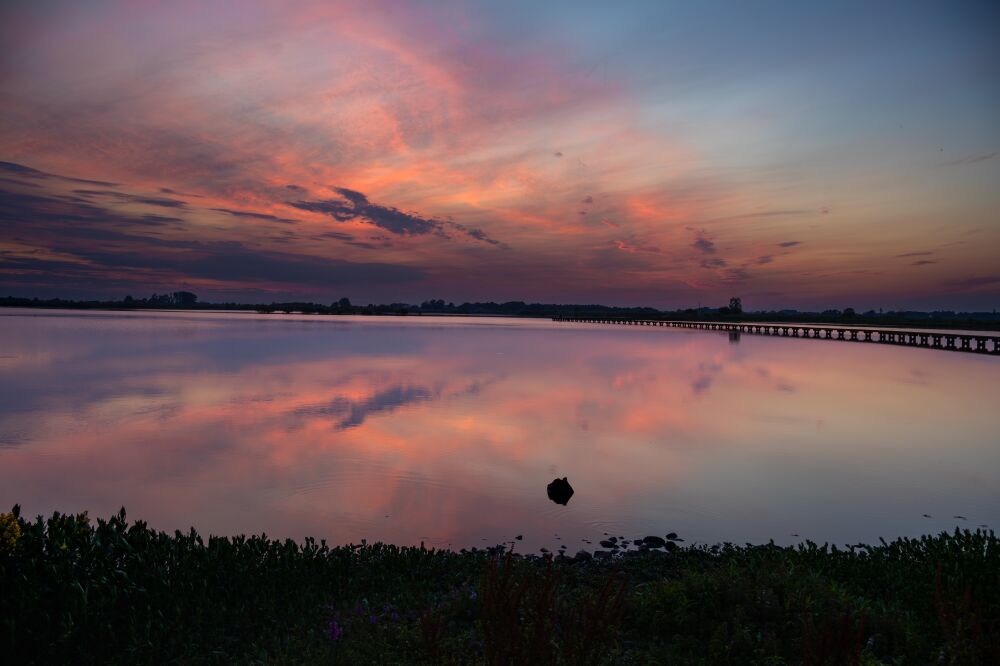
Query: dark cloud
[102, 245]
[557, 154]
[713, 262]
[131, 198]
[19, 183]
[59, 217]
[923, 262]
[12, 168]
[355, 206]
[295, 188]
[348, 239]
[914, 254]
[227, 261]
[158, 221]
[736, 275]
[701, 384]
[335, 234]
[703, 244]
[763, 213]
[256, 216]
[789, 243]
[478, 234]
[765, 259]
[588, 199]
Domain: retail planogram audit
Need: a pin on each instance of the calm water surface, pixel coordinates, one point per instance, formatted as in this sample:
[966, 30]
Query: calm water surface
[447, 430]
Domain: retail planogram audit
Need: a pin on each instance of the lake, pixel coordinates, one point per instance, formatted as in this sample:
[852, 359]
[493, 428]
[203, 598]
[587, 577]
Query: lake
[446, 430]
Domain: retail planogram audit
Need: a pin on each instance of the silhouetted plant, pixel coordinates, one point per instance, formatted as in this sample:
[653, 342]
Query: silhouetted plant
[517, 614]
[431, 631]
[594, 621]
[968, 639]
[833, 641]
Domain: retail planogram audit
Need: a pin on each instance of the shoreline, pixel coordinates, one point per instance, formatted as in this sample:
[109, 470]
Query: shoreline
[858, 323]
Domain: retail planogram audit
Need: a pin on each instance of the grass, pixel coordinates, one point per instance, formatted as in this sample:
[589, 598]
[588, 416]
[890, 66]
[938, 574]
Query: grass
[78, 591]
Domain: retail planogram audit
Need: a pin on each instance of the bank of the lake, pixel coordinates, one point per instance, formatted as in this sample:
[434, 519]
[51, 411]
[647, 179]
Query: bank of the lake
[76, 590]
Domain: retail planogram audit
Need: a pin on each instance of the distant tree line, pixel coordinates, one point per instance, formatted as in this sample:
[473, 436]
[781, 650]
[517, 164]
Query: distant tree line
[187, 300]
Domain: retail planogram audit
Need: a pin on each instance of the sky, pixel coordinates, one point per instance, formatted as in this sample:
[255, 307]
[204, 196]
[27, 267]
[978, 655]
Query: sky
[671, 154]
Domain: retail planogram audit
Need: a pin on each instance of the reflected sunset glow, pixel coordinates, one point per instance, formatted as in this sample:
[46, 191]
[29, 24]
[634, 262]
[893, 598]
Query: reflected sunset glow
[447, 430]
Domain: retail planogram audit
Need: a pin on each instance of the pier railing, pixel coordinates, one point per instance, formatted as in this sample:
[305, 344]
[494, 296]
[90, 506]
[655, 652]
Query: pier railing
[975, 343]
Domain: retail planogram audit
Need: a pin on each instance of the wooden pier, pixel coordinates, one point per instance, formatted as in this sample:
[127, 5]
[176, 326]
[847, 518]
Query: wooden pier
[975, 343]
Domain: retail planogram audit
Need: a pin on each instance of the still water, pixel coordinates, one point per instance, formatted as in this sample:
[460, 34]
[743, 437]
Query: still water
[447, 430]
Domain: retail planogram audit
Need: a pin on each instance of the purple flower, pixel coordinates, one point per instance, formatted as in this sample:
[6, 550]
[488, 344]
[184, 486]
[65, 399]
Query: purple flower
[334, 631]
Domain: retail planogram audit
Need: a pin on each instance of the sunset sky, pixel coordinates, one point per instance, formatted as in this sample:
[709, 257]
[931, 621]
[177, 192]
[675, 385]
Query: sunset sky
[797, 154]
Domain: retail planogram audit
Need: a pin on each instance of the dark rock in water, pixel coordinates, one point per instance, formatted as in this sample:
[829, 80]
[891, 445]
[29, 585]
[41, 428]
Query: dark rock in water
[602, 554]
[613, 539]
[583, 556]
[672, 536]
[519, 537]
[608, 543]
[670, 546]
[654, 542]
[560, 491]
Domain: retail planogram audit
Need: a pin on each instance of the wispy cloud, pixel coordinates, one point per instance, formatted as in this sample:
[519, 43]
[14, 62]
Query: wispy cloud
[970, 159]
[22, 171]
[131, 198]
[703, 243]
[256, 216]
[975, 282]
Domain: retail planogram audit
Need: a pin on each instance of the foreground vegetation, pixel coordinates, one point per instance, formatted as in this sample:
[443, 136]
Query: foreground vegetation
[76, 591]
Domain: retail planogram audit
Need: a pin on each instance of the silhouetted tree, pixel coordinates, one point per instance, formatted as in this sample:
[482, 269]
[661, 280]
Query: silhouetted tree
[736, 305]
[184, 298]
